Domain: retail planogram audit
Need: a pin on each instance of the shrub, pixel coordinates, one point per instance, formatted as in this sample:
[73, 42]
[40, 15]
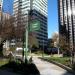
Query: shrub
[73, 66]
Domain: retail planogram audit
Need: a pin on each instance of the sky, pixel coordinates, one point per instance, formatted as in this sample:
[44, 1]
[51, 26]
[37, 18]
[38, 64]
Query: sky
[52, 17]
[8, 7]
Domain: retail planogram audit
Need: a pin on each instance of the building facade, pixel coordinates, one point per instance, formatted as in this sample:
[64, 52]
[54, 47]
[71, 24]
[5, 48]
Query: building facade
[0, 10]
[66, 12]
[25, 10]
[2, 14]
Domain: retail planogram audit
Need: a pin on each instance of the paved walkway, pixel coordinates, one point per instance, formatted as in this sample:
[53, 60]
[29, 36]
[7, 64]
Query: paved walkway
[47, 68]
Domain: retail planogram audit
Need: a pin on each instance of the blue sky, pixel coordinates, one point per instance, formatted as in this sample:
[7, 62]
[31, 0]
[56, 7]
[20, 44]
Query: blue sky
[52, 17]
[7, 6]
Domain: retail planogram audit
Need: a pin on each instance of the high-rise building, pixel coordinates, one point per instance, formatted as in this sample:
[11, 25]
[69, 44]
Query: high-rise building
[0, 10]
[32, 9]
[3, 15]
[0, 5]
[66, 12]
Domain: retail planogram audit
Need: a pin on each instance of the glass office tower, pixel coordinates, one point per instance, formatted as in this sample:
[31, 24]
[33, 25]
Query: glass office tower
[34, 9]
[66, 12]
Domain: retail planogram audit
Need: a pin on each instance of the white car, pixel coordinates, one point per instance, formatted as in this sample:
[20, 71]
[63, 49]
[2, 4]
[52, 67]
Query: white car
[19, 48]
[18, 52]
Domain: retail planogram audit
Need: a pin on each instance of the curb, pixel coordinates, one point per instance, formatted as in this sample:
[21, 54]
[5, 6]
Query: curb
[60, 65]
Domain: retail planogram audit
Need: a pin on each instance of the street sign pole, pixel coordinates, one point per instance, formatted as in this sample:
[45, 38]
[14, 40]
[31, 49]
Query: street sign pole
[26, 49]
[26, 45]
[25, 41]
[34, 26]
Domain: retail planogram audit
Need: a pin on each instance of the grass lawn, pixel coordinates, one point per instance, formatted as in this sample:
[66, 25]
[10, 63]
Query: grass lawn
[3, 62]
[39, 53]
[62, 60]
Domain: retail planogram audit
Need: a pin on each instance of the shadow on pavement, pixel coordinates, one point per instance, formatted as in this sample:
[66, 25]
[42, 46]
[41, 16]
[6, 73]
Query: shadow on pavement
[21, 68]
[68, 73]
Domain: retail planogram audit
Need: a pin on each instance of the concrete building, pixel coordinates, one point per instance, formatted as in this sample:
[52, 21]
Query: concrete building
[66, 12]
[3, 15]
[25, 10]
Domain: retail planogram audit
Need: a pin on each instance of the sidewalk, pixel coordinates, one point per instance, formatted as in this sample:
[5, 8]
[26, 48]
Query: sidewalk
[35, 55]
[47, 68]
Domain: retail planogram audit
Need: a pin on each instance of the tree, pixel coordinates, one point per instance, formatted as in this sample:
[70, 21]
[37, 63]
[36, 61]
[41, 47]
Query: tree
[64, 45]
[6, 32]
[55, 38]
[62, 42]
